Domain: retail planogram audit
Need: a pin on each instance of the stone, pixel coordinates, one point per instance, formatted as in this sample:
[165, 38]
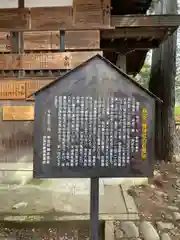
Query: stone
[130, 229]
[118, 234]
[164, 225]
[20, 204]
[148, 231]
[178, 182]
[173, 208]
[176, 216]
[109, 230]
[167, 216]
[165, 236]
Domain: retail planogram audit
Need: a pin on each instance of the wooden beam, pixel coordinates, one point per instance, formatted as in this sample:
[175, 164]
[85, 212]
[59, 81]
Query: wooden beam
[12, 90]
[21, 3]
[74, 40]
[32, 61]
[82, 40]
[145, 20]
[51, 18]
[121, 45]
[14, 19]
[41, 40]
[133, 33]
[18, 113]
[91, 13]
[84, 16]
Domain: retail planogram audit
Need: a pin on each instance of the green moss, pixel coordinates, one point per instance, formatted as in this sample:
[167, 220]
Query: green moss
[35, 181]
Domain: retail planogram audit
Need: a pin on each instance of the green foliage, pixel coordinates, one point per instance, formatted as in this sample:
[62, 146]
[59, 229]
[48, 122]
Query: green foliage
[177, 111]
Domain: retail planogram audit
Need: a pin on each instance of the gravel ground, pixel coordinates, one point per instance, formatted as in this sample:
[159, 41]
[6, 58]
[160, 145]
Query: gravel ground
[159, 207]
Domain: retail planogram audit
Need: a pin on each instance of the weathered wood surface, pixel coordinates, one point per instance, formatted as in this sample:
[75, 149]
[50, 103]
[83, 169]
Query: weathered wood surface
[74, 40]
[34, 85]
[16, 137]
[48, 60]
[54, 18]
[14, 19]
[18, 89]
[134, 33]
[18, 113]
[145, 20]
[5, 44]
[10, 90]
[40, 40]
[91, 13]
[82, 40]
[94, 14]
[51, 18]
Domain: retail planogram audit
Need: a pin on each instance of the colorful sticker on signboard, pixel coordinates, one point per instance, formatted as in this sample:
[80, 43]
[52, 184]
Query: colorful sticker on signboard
[144, 134]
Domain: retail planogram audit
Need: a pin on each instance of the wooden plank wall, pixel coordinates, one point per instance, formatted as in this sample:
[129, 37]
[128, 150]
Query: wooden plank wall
[12, 90]
[5, 42]
[21, 89]
[16, 107]
[83, 15]
[47, 60]
[74, 40]
[91, 13]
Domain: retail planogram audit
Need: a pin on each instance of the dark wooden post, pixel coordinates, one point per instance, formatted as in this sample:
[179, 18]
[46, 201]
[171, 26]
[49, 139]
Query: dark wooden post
[17, 40]
[121, 61]
[162, 83]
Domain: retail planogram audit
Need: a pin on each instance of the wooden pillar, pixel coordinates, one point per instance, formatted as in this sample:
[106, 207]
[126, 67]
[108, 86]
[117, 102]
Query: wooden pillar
[121, 61]
[17, 37]
[162, 84]
[20, 34]
[20, 38]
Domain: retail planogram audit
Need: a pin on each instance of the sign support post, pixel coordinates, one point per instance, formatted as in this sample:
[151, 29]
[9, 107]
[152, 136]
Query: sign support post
[94, 208]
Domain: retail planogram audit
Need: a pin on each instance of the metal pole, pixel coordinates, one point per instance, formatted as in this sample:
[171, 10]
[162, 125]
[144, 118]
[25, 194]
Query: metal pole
[62, 40]
[94, 209]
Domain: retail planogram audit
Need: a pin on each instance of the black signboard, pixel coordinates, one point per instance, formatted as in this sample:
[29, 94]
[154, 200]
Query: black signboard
[100, 125]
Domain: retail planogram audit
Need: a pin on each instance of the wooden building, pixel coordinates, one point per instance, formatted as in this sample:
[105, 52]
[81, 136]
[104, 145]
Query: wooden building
[38, 44]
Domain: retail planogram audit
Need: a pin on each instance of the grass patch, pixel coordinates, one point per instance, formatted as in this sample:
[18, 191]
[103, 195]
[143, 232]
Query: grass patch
[177, 111]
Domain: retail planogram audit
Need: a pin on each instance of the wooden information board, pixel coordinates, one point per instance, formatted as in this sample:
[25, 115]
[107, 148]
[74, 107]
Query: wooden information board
[12, 90]
[74, 40]
[100, 126]
[18, 113]
[33, 61]
[34, 85]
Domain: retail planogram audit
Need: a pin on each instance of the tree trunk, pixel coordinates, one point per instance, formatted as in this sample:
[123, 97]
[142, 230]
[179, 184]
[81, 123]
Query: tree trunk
[162, 84]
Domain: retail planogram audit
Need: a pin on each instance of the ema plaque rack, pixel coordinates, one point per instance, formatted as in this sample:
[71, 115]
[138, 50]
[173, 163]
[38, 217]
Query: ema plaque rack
[94, 122]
